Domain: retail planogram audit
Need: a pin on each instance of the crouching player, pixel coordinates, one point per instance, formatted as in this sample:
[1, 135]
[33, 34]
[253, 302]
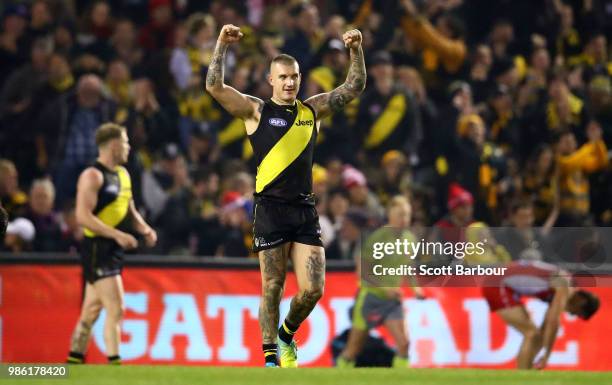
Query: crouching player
[547, 283]
[377, 305]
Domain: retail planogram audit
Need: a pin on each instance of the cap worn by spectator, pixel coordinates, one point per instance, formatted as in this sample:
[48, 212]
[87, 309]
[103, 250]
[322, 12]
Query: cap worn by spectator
[498, 90]
[352, 177]
[458, 196]
[202, 130]
[232, 200]
[381, 57]
[393, 156]
[170, 151]
[457, 86]
[358, 217]
[334, 45]
[22, 228]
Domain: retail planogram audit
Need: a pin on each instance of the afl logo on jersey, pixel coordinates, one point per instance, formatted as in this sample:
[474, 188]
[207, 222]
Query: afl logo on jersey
[112, 189]
[277, 122]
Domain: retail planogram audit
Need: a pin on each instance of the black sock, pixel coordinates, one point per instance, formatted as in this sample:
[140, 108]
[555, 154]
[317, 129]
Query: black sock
[269, 351]
[115, 360]
[75, 358]
[286, 331]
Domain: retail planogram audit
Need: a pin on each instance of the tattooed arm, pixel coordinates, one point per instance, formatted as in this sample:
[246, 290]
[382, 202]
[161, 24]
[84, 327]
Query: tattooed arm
[236, 103]
[330, 102]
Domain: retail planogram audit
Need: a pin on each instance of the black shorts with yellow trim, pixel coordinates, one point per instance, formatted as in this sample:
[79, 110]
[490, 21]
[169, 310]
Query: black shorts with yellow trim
[100, 258]
[275, 223]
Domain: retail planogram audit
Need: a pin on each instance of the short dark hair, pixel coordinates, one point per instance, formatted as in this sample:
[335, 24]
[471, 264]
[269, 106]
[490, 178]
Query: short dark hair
[590, 304]
[107, 132]
[3, 223]
[283, 58]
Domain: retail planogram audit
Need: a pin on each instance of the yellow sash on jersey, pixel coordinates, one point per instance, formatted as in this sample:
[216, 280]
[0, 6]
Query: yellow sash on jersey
[287, 149]
[387, 121]
[113, 213]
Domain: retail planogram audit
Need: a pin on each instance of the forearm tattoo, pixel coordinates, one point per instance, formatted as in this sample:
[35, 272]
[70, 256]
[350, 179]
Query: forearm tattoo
[356, 77]
[354, 83]
[80, 337]
[274, 269]
[214, 76]
[351, 88]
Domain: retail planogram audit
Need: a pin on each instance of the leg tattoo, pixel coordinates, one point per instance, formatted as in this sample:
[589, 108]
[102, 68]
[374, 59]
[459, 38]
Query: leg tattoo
[273, 281]
[316, 269]
[303, 303]
[80, 337]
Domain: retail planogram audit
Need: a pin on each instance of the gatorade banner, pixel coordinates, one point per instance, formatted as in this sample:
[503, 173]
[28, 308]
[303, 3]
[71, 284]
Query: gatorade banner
[200, 316]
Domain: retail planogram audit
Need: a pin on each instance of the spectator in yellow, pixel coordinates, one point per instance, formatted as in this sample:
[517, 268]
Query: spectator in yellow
[389, 116]
[595, 56]
[391, 174]
[442, 46]
[194, 43]
[493, 253]
[480, 166]
[573, 168]
[540, 182]
[564, 109]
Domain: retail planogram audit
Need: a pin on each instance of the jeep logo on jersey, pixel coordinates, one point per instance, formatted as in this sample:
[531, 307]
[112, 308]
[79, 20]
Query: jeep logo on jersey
[304, 123]
[277, 122]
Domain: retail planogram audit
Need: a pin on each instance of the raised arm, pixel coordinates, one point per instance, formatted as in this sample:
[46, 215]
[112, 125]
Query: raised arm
[236, 103]
[330, 102]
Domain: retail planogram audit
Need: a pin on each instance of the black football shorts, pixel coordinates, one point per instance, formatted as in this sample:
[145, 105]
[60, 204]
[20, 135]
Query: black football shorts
[275, 223]
[100, 258]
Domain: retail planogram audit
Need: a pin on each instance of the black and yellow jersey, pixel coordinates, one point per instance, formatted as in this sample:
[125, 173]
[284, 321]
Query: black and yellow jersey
[388, 122]
[283, 146]
[114, 198]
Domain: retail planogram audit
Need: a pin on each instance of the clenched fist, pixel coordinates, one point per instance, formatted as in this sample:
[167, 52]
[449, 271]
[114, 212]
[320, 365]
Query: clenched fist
[352, 38]
[230, 34]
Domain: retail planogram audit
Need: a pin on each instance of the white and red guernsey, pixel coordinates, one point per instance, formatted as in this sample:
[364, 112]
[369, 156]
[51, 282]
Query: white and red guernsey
[524, 279]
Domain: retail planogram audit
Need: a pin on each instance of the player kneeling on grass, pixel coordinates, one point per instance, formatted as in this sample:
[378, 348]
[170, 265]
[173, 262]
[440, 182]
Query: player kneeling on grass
[379, 305]
[547, 283]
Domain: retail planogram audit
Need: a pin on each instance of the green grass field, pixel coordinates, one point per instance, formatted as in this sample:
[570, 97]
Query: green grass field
[167, 375]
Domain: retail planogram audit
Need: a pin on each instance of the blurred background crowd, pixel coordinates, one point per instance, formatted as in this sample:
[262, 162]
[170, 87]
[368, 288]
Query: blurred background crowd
[486, 113]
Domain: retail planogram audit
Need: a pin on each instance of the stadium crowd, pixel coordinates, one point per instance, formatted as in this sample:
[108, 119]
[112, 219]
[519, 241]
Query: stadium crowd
[487, 112]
